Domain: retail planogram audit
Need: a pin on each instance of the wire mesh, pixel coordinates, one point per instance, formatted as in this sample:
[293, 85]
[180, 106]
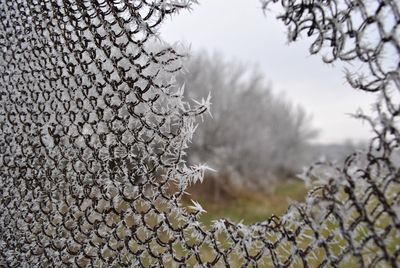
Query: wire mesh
[94, 130]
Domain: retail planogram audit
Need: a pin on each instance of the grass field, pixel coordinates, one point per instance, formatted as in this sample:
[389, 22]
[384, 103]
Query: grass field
[250, 207]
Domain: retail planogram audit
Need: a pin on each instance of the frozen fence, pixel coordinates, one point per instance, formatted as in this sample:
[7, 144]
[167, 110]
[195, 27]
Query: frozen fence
[93, 138]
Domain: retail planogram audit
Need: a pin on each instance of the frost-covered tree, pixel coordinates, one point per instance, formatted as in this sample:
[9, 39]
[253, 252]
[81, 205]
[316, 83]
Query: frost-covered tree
[259, 135]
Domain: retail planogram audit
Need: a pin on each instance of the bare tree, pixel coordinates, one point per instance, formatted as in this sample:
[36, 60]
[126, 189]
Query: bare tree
[254, 133]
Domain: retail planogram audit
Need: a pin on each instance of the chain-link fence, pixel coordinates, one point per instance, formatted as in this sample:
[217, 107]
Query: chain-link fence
[94, 131]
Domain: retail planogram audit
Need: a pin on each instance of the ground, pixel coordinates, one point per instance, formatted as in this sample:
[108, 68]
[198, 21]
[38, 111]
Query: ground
[251, 207]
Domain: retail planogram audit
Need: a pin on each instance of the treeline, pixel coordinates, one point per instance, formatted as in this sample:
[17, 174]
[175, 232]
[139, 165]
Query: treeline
[253, 136]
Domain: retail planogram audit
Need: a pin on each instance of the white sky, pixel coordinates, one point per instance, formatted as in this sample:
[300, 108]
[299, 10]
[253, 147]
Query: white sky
[238, 29]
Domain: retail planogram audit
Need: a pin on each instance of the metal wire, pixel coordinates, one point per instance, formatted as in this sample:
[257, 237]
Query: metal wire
[93, 137]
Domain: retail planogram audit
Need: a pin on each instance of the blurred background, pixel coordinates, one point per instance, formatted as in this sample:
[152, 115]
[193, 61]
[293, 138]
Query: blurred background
[275, 109]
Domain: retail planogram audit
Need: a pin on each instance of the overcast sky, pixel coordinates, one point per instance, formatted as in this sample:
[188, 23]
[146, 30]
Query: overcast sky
[239, 29]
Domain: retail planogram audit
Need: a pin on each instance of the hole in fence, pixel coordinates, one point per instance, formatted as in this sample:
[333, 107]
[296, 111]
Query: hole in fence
[257, 138]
